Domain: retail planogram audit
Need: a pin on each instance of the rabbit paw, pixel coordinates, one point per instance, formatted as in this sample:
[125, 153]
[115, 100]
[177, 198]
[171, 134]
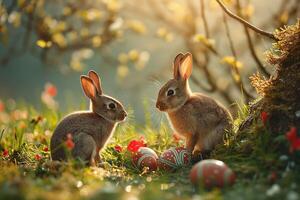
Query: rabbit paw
[196, 156]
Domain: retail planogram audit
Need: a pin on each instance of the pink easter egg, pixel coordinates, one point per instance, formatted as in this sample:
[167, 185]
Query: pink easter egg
[212, 173]
[145, 158]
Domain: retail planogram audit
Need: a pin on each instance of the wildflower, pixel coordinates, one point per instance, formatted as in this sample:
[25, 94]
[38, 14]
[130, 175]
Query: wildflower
[134, 145]
[118, 148]
[46, 149]
[264, 117]
[22, 125]
[51, 89]
[38, 157]
[291, 136]
[295, 145]
[69, 142]
[48, 95]
[5, 153]
[273, 176]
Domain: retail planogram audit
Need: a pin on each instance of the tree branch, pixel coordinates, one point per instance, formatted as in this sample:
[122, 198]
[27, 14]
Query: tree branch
[251, 46]
[238, 82]
[254, 28]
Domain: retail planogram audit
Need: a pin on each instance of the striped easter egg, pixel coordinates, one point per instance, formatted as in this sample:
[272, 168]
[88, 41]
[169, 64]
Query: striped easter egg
[145, 158]
[212, 173]
[174, 158]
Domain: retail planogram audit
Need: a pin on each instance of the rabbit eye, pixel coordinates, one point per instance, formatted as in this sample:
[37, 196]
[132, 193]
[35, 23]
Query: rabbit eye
[170, 92]
[111, 106]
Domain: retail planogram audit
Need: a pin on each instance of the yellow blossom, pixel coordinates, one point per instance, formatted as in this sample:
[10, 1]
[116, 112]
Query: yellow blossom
[96, 41]
[206, 41]
[137, 26]
[59, 39]
[164, 34]
[112, 5]
[248, 10]
[133, 54]
[231, 61]
[43, 43]
[284, 17]
[15, 19]
[123, 58]
[67, 11]
[122, 71]
[76, 65]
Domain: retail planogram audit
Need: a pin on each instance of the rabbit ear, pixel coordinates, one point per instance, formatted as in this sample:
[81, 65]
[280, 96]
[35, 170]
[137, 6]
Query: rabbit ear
[185, 69]
[96, 80]
[176, 66]
[88, 87]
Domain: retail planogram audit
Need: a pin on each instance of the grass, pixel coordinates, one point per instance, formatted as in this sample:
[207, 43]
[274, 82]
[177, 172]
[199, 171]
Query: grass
[26, 133]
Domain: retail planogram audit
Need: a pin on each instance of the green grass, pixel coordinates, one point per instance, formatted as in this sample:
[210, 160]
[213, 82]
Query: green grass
[26, 133]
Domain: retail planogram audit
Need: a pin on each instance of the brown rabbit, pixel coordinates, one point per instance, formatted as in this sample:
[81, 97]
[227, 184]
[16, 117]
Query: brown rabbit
[198, 118]
[91, 129]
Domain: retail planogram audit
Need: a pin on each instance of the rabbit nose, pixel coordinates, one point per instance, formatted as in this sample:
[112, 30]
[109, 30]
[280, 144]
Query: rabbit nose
[124, 113]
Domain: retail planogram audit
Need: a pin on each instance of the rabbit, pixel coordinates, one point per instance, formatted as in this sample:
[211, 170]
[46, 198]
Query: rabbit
[90, 130]
[196, 117]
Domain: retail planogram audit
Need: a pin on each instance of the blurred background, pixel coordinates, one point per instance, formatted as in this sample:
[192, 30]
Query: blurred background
[46, 45]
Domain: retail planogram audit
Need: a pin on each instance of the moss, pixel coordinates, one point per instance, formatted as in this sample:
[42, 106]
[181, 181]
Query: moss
[281, 92]
[256, 147]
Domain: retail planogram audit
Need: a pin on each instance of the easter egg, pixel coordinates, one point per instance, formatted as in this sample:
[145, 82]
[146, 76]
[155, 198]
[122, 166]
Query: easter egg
[212, 173]
[145, 158]
[174, 158]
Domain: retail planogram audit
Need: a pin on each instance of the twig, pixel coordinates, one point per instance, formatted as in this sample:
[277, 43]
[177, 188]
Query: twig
[251, 46]
[163, 15]
[238, 82]
[203, 67]
[211, 79]
[205, 24]
[253, 53]
[29, 26]
[254, 28]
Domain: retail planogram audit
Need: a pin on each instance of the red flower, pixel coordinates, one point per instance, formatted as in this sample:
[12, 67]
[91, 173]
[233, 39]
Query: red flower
[134, 145]
[5, 153]
[51, 89]
[1, 106]
[69, 142]
[295, 145]
[46, 149]
[291, 136]
[264, 117]
[38, 157]
[273, 177]
[118, 148]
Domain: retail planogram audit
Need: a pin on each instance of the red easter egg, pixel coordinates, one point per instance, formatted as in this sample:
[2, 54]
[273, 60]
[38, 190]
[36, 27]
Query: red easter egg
[212, 173]
[174, 158]
[145, 157]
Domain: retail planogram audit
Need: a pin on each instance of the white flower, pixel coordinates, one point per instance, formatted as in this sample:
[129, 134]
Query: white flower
[275, 189]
